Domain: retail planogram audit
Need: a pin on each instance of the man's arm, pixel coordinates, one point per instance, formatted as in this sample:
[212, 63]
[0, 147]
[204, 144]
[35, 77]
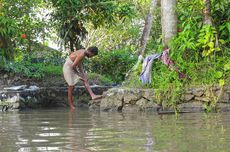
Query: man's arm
[81, 68]
[77, 61]
[83, 75]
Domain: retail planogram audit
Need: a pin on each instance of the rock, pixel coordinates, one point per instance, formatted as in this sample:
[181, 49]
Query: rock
[148, 106]
[187, 97]
[110, 104]
[130, 108]
[217, 93]
[16, 105]
[33, 88]
[14, 88]
[205, 99]
[223, 107]
[152, 107]
[141, 103]
[198, 94]
[148, 94]
[17, 78]
[190, 107]
[94, 107]
[128, 98]
[225, 98]
[215, 88]
[8, 82]
[166, 110]
[53, 95]
[13, 99]
[198, 91]
[3, 96]
[227, 89]
[119, 96]
[5, 76]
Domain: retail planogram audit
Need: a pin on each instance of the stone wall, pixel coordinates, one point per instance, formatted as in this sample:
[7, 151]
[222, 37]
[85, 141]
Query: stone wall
[21, 97]
[193, 100]
[115, 99]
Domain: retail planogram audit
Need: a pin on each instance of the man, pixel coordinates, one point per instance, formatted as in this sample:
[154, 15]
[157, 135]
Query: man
[73, 71]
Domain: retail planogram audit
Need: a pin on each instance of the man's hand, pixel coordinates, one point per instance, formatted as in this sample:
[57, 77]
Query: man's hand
[83, 77]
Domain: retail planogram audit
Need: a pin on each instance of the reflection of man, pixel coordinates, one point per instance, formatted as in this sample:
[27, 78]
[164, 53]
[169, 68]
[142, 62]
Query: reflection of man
[75, 134]
[73, 71]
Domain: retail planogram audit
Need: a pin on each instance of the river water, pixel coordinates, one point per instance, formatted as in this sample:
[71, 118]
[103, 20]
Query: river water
[84, 131]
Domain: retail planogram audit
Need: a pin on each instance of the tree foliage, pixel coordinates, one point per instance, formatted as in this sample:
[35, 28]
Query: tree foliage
[201, 51]
[19, 17]
[71, 16]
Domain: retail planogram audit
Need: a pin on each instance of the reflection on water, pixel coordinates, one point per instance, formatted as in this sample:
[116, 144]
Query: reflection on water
[84, 131]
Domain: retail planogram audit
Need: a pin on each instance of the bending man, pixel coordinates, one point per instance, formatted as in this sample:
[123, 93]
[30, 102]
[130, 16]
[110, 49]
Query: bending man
[73, 72]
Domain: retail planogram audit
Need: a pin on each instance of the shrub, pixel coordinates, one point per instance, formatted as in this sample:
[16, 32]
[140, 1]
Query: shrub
[113, 65]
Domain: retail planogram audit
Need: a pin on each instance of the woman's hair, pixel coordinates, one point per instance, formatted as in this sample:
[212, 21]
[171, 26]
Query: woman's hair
[93, 49]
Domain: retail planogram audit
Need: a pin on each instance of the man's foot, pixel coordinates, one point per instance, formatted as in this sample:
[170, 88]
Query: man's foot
[96, 97]
[71, 106]
[95, 101]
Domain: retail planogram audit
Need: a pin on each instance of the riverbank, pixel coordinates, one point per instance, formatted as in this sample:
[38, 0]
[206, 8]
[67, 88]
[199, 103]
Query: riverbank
[202, 99]
[196, 99]
[33, 97]
[17, 92]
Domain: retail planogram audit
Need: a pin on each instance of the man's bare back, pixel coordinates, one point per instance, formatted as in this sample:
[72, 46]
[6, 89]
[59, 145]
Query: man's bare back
[75, 54]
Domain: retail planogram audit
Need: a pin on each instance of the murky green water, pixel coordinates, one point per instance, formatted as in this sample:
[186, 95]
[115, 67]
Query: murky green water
[83, 131]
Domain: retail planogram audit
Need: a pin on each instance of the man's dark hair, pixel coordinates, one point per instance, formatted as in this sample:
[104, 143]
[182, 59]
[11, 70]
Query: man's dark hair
[93, 49]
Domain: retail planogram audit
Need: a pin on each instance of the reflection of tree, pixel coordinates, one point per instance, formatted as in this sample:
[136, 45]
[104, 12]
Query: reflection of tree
[119, 131]
[83, 131]
[10, 130]
[193, 132]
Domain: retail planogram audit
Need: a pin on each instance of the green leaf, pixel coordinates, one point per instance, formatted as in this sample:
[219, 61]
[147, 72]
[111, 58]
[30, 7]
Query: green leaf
[217, 49]
[211, 44]
[227, 67]
[228, 26]
[218, 74]
[222, 41]
[221, 82]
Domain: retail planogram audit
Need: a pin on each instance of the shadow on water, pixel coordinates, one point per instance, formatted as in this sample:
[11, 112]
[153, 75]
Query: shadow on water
[84, 131]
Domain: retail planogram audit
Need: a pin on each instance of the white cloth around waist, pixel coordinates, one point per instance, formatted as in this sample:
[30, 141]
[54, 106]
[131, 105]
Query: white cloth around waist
[71, 76]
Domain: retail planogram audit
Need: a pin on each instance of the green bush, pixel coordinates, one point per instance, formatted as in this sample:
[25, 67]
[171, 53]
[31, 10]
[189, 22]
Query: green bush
[95, 78]
[114, 64]
[33, 70]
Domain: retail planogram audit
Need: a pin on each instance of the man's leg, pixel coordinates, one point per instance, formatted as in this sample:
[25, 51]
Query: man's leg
[93, 96]
[70, 97]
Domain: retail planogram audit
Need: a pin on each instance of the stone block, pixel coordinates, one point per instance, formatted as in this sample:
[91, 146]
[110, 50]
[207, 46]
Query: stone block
[223, 107]
[110, 104]
[130, 97]
[148, 94]
[128, 108]
[190, 107]
[225, 98]
[204, 99]
[187, 97]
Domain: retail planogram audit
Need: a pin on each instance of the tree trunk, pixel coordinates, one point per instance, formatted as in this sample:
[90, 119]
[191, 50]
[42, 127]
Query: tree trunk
[168, 20]
[207, 20]
[71, 45]
[6, 49]
[145, 33]
[147, 28]
[144, 37]
[207, 12]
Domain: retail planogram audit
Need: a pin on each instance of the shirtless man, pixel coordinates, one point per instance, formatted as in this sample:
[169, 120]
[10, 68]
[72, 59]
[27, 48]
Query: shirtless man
[73, 72]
